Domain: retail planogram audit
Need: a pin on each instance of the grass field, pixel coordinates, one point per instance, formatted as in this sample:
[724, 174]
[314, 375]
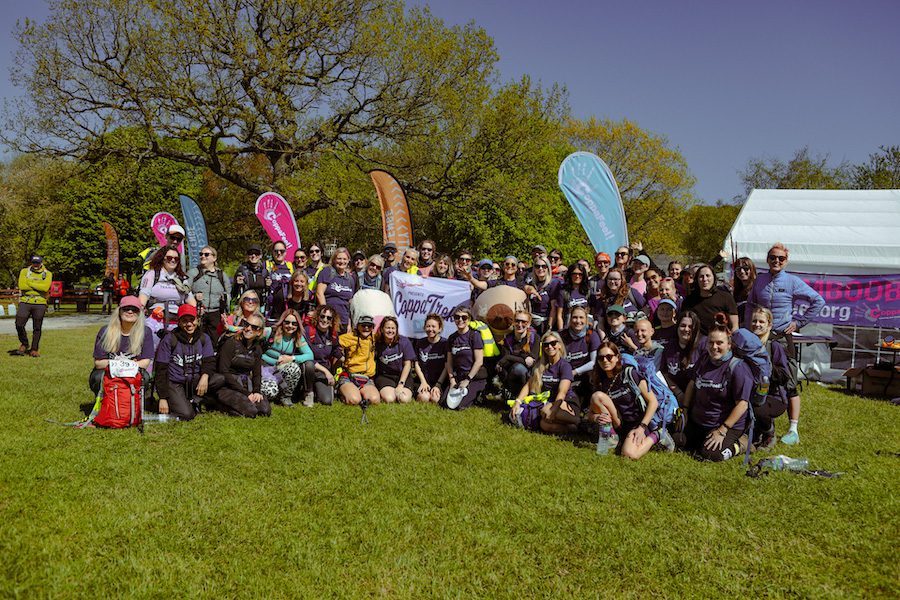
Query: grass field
[422, 503]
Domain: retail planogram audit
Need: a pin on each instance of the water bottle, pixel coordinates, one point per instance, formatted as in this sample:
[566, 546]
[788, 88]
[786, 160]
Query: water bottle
[158, 418]
[607, 441]
[785, 463]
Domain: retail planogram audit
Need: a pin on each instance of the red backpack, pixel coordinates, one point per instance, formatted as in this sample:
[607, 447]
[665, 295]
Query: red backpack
[122, 404]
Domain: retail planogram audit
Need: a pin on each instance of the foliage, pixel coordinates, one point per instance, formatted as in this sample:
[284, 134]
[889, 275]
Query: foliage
[422, 502]
[653, 178]
[801, 172]
[235, 81]
[881, 172]
[705, 229]
[32, 211]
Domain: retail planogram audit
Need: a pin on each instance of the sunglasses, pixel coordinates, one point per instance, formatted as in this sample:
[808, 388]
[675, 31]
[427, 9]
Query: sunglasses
[742, 268]
[550, 344]
[540, 266]
[253, 327]
[374, 266]
[187, 319]
[621, 254]
[250, 300]
[171, 259]
[776, 257]
[278, 251]
[130, 309]
[577, 274]
[510, 265]
[292, 323]
[177, 238]
[522, 321]
[606, 357]
[366, 326]
[460, 318]
[555, 258]
[254, 253]
[465, 260]
[427, 249]
[206, 254]
[326, 317]
[300, 257]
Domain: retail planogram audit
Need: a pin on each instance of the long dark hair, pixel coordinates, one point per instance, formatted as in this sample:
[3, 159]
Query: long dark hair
[685, 354]
[156, 263]
[335, 318]
[620, 296]
[598, 375]
[298, 331]
[583, 287]
[695, 287]
[741, 292]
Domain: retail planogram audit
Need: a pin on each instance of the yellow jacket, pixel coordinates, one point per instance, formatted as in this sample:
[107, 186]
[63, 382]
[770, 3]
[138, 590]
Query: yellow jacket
[359, 353]
[34, 285]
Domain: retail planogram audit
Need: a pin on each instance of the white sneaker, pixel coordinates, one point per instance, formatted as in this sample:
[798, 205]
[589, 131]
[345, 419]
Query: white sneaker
[308, 399]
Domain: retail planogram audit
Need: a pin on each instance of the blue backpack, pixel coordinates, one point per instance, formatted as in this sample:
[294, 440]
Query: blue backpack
[647, 369]
[748, 348]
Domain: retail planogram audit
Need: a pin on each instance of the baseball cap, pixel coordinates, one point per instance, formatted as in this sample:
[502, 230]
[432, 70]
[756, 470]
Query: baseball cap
[366, 320]
[390, 246]
[254, 249]
[359, 254]
[133, 301]
[540, 248]
[484, 262]
[36, 260]
[173, 229]
[615, 309]
[187, 310]
[643, 259]
[667, 302]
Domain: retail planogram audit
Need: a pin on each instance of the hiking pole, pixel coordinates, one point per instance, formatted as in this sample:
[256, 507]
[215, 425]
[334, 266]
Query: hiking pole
[364, 404]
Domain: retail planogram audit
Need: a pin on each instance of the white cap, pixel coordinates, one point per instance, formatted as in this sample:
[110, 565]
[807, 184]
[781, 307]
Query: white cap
[175, 229]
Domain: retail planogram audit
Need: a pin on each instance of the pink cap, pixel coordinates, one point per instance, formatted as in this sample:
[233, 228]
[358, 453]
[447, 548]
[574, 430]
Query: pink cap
[131, 301]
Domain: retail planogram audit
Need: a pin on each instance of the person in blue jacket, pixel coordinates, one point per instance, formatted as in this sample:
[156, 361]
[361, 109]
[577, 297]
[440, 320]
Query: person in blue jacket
[287, 361]
[780, 292]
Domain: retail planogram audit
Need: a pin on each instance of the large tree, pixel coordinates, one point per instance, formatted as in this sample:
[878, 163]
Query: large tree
[802, 172]
[653, 178]
[288, 82]
[882, 171]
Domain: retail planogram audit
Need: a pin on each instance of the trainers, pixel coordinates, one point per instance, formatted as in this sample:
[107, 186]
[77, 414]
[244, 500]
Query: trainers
[766, 443]
[791, 438]
[286, 402]
[665, 443]
[308, 399]
[607, 442]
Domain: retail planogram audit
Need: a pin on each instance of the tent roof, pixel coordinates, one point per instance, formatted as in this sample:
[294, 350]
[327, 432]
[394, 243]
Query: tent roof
[826, 231]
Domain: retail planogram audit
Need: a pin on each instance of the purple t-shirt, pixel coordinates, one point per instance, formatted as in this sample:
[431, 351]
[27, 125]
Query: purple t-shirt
[576, 298]
[578, 349]
[432, 358]
[462, 347]
[541, 305]
[718, 389]
[516, 283]
[124, 344]
[670, 363]
[666, 336]
[183, 358]
[325, 348]
[623, 396]
[339, 291]
[553, 375]
[389, 359]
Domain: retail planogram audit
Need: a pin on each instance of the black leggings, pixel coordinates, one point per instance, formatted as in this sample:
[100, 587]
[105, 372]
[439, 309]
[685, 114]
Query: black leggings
[695, 437]
[35, 312]
[181, 396]
[772, 408]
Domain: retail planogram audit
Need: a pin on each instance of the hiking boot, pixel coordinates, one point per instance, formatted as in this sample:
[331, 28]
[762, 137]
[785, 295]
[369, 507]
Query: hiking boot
[20, 351]
[767, 442]
[287, 402]
[607, 443]
[34, 354]
[791, 438]
[308, 399]
[665, 443]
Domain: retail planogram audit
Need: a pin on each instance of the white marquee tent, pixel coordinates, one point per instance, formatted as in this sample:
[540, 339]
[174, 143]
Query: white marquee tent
[832, 232]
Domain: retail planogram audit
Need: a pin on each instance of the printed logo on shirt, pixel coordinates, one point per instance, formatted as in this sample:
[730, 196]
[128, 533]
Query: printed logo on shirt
[183, 361]
[573, 356]
[703, 383]
[340, 288]
[457, 349]
[426, 356]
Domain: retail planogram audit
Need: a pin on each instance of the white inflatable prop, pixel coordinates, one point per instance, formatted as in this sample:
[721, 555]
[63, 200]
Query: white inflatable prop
[373, 303]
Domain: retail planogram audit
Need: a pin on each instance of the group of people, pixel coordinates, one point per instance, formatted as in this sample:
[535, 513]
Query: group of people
[566, 365]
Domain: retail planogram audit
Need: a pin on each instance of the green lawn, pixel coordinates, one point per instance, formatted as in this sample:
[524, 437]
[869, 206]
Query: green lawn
[422, 502]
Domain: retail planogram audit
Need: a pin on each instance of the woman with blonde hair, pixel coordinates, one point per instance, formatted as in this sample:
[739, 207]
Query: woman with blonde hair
[212, 290]
[551, 376]
[125, 335]
[247, 306]
[336, 285]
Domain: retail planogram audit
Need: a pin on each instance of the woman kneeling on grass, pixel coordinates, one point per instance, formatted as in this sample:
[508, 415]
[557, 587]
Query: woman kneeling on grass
[355, 381]
[185, 367]
[323, 339]
[288, 362]
[431, 360]
[465, 360]
[394, 356]
[717, 399]
[125, 335]
[552, 376]
[776, 400]
[240, 363]
[617, 408]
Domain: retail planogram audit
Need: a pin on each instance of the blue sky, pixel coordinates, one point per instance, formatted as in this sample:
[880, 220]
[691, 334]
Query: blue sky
[723, 81]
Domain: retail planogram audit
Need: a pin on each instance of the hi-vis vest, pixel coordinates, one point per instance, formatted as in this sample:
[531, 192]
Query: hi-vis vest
[490, 346]
[270, 266]
[314, 279]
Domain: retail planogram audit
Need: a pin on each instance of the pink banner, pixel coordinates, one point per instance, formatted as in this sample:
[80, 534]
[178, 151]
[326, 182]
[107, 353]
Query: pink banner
[160, 224]
[277, 218]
